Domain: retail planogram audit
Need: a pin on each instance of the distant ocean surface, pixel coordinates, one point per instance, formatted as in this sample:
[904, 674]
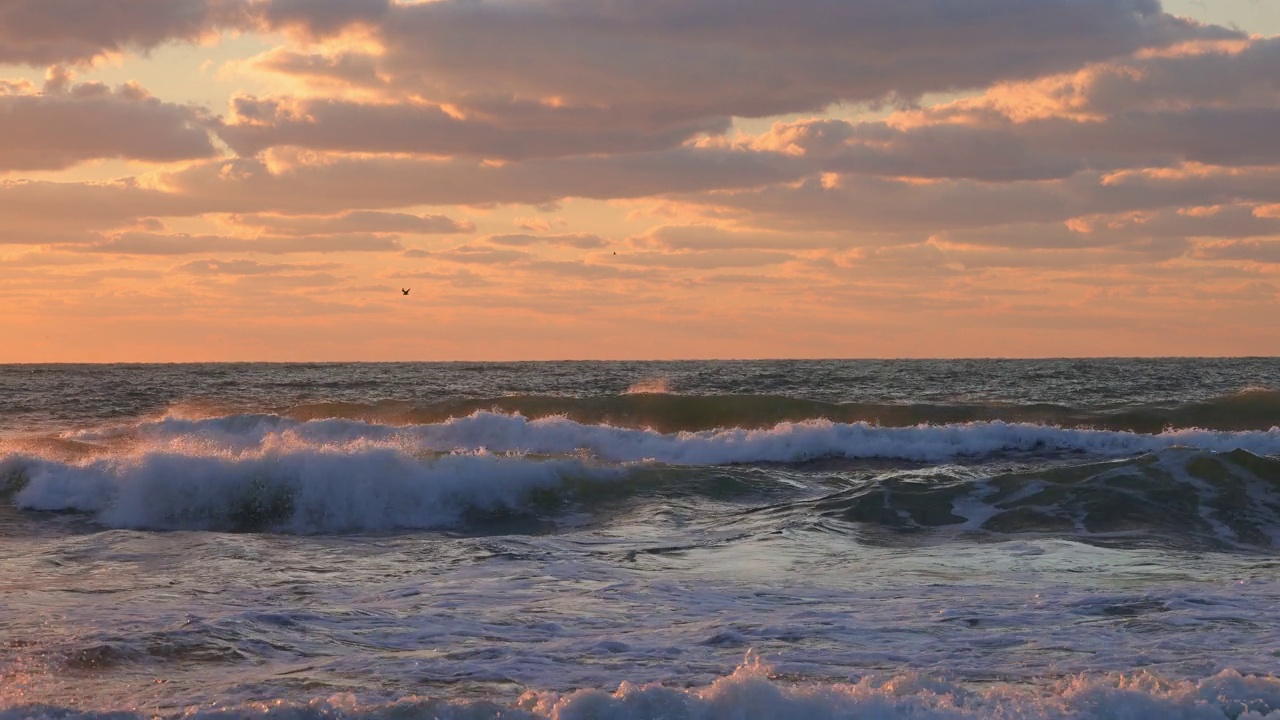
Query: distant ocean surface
[610, 540]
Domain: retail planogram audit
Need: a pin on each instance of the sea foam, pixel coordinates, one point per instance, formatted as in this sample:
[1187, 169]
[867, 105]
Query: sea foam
[750, 693]
[786, 442]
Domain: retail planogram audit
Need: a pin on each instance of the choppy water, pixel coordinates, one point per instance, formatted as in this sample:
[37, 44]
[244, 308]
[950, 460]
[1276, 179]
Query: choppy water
[1038, 539]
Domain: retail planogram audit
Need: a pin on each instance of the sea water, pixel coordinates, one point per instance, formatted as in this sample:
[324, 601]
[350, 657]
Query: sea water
[781, 539]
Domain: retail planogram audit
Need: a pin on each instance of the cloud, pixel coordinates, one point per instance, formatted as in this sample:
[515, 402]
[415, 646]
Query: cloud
[581, 241]
[46, 212]
[702, 58]
[538, 223]
[144, 243]
[322, 17]
[285, 281]
[1112, 167]
[354, 221]
[82, 276]
[43, 260]
[480, 255]
[1122, 229]
[994, 148]
[1262, 251]
[462, 277]
[511, 131]
[43, 212]
[708, 237]
[590, 271]
[305, 184]
[456, 78]
[213, 266]
[1215, 221]
[59, 128]
[866, 206]
[705, 259]
[1232, 75]
[1214, 103]
[332, 71]
[1141, 251]
[41, 32]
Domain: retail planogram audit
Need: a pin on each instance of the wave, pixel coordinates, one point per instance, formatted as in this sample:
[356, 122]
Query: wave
[1193, 489]
[788, 442]
[275, 473]
[649, 405]
[295, 489]
[752, 691]
[1174, 498]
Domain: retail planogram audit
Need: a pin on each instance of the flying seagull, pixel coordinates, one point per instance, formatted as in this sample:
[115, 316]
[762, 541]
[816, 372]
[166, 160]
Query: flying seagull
[404, 290]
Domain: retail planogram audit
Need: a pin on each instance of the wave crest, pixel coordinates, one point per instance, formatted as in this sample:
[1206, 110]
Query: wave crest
[787, 442]
[245, 472]
[651, 404]
[302, 490]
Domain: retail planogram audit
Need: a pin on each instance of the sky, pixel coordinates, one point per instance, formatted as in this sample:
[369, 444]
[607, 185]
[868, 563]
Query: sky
[227, 180]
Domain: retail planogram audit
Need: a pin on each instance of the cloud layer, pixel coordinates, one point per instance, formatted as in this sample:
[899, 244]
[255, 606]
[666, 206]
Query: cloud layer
[773, 168]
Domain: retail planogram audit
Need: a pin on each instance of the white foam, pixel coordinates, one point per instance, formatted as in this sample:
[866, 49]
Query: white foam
[750, 693]
[785, 442]
[296, 489]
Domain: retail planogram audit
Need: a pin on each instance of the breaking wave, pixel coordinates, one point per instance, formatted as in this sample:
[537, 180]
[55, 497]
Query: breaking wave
[650, 404]
[1197, 488]
[289, 489]
[787, 442]
[752, 692]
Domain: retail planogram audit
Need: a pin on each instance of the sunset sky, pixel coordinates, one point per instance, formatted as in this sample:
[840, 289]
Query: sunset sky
[256, 179]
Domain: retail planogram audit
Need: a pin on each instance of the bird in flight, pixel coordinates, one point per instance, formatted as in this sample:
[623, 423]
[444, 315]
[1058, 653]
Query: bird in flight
[404, 290]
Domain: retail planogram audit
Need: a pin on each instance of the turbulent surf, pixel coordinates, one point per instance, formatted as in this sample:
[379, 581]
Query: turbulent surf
[915, 539]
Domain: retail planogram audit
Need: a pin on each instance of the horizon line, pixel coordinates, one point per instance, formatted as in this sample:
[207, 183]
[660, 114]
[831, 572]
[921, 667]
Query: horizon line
[988, 358]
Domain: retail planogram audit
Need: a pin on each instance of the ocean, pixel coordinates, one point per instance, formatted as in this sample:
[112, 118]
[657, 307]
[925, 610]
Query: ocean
[740, 540]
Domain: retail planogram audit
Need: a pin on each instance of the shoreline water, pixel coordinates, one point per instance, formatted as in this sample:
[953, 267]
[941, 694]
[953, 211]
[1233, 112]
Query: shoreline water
[419, 541]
